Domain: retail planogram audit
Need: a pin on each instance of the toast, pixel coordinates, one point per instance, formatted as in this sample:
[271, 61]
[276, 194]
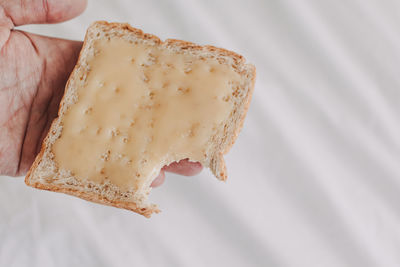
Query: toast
[134, 104]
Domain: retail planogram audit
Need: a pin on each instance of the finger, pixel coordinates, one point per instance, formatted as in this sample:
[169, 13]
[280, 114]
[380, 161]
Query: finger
[184, 167]
[42, 11]
[159, 179]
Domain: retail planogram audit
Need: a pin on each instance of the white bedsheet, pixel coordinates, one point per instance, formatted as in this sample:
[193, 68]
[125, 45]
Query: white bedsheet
[314, 177]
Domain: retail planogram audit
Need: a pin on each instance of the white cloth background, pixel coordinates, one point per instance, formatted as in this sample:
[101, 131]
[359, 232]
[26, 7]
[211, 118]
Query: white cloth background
[314, 177]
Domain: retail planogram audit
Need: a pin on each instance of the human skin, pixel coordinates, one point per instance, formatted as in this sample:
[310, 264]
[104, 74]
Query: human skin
[33, 73]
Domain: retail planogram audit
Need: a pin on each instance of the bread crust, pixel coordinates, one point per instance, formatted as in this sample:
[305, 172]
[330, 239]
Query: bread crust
[182, 45]
[95, 198]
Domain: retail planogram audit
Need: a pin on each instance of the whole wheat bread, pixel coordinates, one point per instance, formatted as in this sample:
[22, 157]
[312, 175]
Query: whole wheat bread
[44, 173]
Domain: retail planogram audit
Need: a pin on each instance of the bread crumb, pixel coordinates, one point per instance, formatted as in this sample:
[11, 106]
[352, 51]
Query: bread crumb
[184, 90]
[145, 78]
[114, 132]
[226, 98]
[106, 155]
[151, 95]
[88, 110]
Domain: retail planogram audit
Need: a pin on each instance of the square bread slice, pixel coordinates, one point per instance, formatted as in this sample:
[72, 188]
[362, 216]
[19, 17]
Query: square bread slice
[134, 104]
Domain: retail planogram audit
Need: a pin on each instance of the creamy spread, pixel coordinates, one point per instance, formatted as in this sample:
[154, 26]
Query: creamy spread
[140, 106]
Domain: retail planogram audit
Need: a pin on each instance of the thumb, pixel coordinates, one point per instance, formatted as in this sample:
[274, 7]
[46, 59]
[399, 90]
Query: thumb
[59, 57]
[42, 11]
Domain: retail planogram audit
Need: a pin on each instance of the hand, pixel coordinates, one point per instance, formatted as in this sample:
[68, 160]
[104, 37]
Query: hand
[33, 73]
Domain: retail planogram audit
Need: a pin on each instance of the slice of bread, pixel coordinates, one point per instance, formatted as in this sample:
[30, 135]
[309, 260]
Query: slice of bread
[212, 111]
